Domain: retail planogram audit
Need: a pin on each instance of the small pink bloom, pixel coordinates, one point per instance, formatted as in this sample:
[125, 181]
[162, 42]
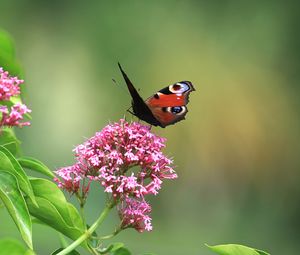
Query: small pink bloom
[9, 86]
[135, 214]
[71, 178]
[14, 116]
[11, 115]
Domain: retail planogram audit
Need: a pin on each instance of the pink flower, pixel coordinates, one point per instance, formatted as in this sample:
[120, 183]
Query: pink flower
[71, 178]
[13, 116]
[9, 86]
[135, 214]
[125, 158]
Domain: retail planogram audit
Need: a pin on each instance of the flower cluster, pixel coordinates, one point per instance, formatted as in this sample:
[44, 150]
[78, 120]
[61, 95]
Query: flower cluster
[127, 160]
[11, 115]
[9, 86]
[134, 213]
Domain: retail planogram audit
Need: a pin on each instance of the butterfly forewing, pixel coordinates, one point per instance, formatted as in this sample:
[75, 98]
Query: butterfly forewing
[139, 107]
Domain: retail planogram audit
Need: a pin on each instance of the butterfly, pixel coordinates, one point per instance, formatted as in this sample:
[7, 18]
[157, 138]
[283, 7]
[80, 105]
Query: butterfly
[165, 107]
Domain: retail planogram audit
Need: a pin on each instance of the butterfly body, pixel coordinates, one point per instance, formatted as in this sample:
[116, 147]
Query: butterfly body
[165, 107]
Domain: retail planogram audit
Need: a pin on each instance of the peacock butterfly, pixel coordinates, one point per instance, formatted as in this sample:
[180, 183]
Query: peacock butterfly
[165, 107]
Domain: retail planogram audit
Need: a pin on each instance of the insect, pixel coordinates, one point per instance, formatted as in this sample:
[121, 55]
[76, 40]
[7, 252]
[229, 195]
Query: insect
[165, 107]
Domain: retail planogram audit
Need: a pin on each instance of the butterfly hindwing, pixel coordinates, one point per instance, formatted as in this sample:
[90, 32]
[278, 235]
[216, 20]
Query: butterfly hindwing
[169, 115]
[169, 104]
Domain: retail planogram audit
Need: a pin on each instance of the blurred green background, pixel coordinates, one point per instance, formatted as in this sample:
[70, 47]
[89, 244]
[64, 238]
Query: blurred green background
[237, 153]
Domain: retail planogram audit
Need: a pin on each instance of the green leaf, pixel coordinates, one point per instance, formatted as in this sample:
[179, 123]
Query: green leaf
[260, 252]
[11, 247]
[49, 191]
[74, 252]
[29, 252]
[37, 221]
[9, 163]
[111, 248]
[7, 45]
[121, 251]
[7, 54]
[235, 249]
[9, 140]
[54, 210]
[35, 165]
[10, 65]
[62, 240]
[16, 206]
[116, 246]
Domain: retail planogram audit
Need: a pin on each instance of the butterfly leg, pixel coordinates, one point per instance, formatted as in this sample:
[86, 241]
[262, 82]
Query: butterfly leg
[128, 110]
[131, 112]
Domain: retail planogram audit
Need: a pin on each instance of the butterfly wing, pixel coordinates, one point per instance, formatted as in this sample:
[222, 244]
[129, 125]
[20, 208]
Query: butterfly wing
[139, 107]
[169, 104]
[169, 115]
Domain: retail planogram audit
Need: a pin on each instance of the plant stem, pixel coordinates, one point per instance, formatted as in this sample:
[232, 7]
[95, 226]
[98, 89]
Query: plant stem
[82, 214]
[81, 201]
[89, 232]
[111, 235]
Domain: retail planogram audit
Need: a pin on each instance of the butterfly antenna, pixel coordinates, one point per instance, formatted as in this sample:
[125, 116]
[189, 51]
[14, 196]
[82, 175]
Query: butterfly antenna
[115, 82]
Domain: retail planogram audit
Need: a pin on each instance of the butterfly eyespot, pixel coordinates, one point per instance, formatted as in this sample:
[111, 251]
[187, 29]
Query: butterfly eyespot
[179, 87]
[156, 96]
[176, 87]
[176, 109]
[164, 109]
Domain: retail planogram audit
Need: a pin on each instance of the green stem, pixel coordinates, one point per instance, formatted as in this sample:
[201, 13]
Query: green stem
[89, 232]
[82, 214]
[81, 201]
[111, 235]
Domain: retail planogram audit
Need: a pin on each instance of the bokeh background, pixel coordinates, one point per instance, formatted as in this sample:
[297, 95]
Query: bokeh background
[237, 153]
